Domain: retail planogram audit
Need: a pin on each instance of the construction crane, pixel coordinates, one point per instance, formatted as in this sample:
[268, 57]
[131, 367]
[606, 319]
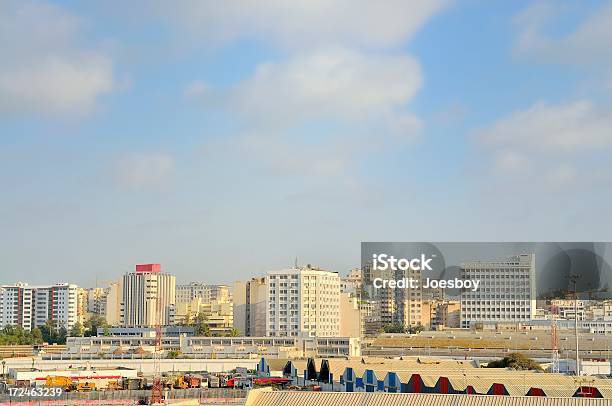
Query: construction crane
[157, 390]
[554, 340]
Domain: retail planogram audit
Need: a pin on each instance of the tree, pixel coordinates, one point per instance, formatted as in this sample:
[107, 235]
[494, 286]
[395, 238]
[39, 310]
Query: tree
[201, 326]
[93, 323]
[233, 333]
[516, 361]
[415, 329]
[394, 328]
[37, 335]
[16, 335]
[77, 330]
[52, 335]
[173, 354]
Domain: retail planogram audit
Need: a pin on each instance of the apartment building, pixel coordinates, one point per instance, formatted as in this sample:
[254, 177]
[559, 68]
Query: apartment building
[507, 291]
[33, 306]
[208, 293]
[303, 302]
[148, 297]
[250, 307]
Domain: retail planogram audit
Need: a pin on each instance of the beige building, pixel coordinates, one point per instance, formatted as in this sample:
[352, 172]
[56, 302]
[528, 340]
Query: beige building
[350, 320]
[208, 293]
[219, 315]
[112, 304]
[148, 297]
[249, 307]
[82, 298]
[448, 314]
[303, 302]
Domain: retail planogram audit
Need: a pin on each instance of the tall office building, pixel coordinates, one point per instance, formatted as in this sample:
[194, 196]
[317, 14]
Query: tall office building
[33, 306]
[507, 291]
[208, 293]
[146, 292]
[303, 302]
[250, 305]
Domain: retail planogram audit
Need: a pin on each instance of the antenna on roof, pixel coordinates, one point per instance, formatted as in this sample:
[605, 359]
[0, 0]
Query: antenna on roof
[296, 263]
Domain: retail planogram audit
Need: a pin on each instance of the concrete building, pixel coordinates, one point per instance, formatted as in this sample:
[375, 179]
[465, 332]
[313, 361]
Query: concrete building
[448, 314]
[219, 315]
[32, 306]
[395, 306]
[350, 318]
[146, 293]
[207, 293]
[112, 304]
[303, 302]
[507, 291]
[82, 298]
[215, 347]
[249, 307]
[351, 283]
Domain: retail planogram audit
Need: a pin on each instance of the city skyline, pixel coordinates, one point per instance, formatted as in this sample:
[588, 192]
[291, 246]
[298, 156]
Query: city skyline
[216, 139]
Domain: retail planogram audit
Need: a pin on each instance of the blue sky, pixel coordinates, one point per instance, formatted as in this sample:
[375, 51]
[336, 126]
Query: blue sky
[223, 139]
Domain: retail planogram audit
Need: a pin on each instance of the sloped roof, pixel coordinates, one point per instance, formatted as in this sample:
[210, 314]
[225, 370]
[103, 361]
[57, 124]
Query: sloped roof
[261, 397]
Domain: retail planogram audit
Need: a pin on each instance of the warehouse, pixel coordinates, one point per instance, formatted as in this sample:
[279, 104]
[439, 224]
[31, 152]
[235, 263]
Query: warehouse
[266, 397]
[420, 375]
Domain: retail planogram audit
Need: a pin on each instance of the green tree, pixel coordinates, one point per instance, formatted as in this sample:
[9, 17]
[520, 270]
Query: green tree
[415, 329]
[77, 330]
[233, 333]
[53, 335]
[517, 361]
[93, 323]
[173, 354]
[16, 335]
[394, 328]
[201, 325]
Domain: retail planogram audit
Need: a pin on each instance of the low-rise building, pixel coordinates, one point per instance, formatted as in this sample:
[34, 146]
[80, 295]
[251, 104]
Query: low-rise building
[214, 347]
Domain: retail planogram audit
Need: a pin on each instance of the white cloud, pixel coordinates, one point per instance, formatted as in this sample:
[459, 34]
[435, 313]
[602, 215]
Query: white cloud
[571, 126]
[550, 146]
[144, 171]
[279, 156]
[302, 23]
[587, 44]
[337, 84]
[44, 68]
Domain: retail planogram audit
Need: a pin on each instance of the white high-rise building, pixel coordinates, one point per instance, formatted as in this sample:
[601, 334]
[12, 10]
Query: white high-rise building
[303, 302]
[145, 294]
[507, 291]
[33, 306]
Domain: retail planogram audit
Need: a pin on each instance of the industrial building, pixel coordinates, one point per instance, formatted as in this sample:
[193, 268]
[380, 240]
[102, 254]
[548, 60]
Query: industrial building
[429, 375]
[268, 397]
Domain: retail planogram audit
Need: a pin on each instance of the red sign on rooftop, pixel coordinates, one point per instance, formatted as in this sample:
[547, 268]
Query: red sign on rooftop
[148, 268]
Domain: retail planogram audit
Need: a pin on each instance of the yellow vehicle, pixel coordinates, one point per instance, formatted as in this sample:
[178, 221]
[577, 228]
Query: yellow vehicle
[177, 382]
[85, 386]
[58, 382]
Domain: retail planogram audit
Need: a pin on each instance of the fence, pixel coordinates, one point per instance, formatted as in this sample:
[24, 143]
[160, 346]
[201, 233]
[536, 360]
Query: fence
[130, 397]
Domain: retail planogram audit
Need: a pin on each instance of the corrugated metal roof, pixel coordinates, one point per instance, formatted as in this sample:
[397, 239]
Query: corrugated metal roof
[283, 398]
